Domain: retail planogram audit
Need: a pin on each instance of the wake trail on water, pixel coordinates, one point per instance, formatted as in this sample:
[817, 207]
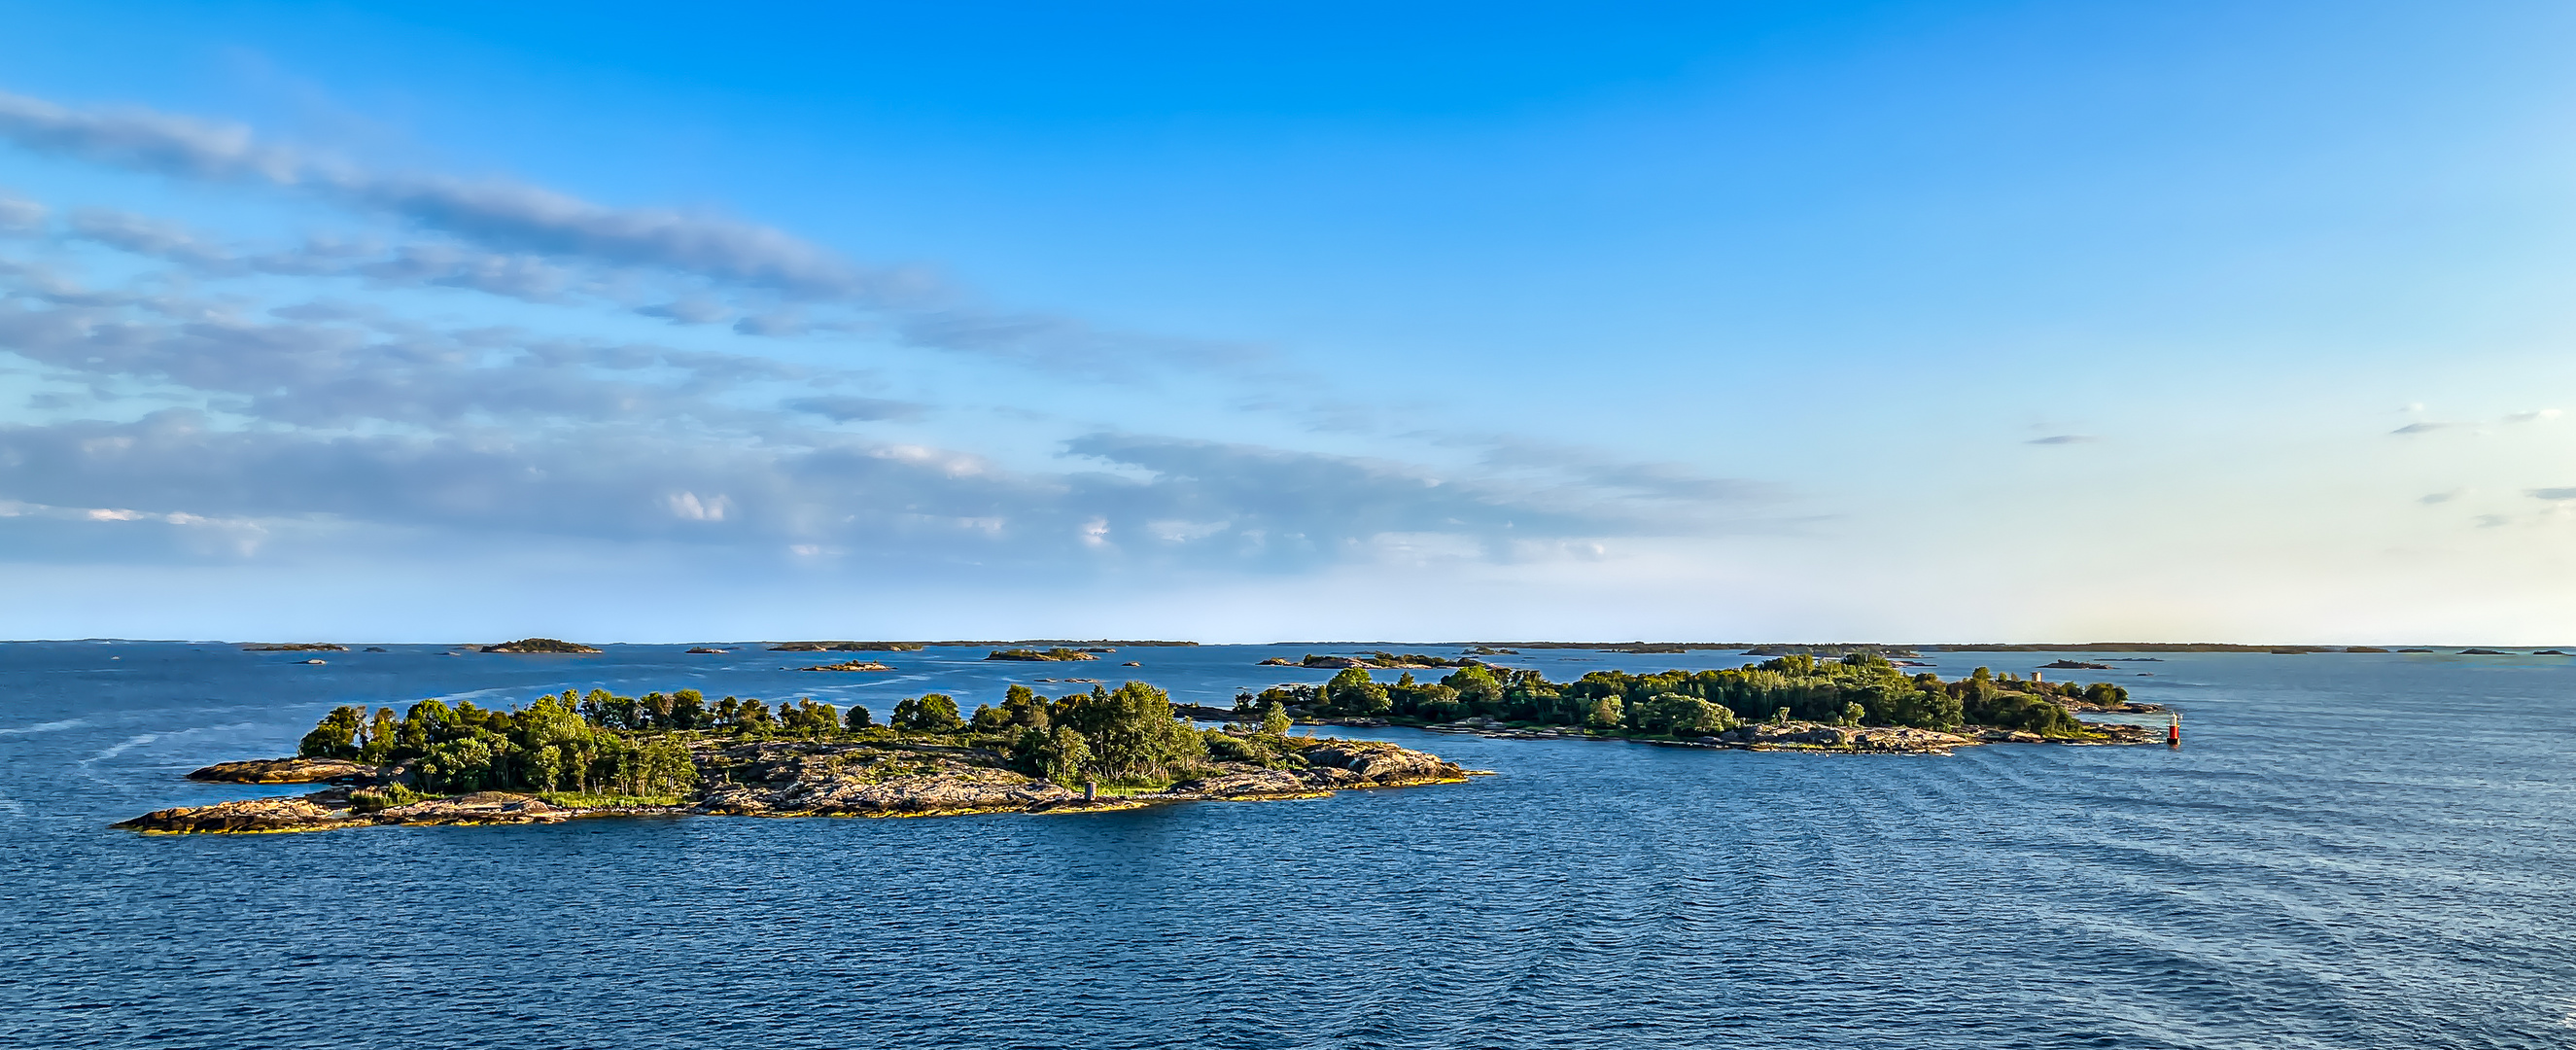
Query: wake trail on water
[44, 727]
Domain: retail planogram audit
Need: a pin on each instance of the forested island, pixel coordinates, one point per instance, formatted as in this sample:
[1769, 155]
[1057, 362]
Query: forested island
[1059, 653]
[1862, 701]
[569, 755]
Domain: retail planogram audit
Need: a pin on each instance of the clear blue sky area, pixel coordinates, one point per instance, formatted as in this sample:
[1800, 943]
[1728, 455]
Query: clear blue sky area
[1905, 320]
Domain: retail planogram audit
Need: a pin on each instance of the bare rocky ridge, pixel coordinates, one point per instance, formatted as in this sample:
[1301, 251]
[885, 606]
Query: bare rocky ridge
[288, 771]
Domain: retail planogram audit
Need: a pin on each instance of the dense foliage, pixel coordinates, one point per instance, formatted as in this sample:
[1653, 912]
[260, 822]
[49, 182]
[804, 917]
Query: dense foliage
[605, 743]
[1862, 688]
[556, 743]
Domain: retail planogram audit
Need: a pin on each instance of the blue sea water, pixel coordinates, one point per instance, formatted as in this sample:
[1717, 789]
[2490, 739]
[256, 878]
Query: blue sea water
[2349, 851]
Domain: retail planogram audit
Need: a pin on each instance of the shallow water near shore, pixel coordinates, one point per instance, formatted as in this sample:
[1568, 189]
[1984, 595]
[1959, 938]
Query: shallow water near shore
[2349, 851]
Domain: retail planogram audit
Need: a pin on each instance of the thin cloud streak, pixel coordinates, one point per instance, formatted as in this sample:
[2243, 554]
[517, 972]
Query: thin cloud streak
[506, 218]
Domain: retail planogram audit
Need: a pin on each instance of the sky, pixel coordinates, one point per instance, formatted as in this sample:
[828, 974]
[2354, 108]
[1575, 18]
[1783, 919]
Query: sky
[1955, 321]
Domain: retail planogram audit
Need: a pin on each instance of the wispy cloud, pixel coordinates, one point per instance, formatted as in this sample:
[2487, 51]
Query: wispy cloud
[2064, 439]
[2425, 427]
[527, 241]
[847, 409]
[321, 415]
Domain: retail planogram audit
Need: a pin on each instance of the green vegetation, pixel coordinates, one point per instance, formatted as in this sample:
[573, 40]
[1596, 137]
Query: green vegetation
[1057, 653]
[539, 645]
[603, 749]
[593, 800]
[1859, 689]
[555, 743]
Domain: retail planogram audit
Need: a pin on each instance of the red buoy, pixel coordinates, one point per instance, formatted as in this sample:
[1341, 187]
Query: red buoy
[2173, 734]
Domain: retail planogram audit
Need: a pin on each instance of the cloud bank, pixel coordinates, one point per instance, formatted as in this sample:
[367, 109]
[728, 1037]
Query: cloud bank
[177, 401]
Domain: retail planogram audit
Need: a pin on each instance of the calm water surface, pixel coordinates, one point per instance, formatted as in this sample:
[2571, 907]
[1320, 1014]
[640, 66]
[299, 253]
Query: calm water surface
[2350, 851]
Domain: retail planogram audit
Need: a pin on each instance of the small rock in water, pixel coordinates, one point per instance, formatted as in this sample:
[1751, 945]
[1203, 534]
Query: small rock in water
[313, 661]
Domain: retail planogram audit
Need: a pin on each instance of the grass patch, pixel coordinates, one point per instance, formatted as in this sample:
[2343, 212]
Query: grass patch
[1130, 788]
[585, 800]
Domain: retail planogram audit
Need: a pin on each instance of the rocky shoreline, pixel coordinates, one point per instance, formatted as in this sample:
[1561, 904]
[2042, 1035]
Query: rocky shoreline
[788, 778]
[1817, 736]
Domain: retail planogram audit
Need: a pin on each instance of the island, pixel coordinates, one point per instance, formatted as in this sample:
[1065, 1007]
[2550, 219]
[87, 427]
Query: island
[301, 647]
[846, 647]
[539, 645]
[1381, 660]
[569, 756]
[1057, 653]
[850, 665]
[1861, 702]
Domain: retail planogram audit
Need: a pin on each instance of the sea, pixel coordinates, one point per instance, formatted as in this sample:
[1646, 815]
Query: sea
[2348, 850]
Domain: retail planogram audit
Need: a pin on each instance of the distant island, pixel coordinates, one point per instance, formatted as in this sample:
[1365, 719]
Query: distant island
[851, 665]
[1103, 646]
[600, 754]
[1057, 653]
[1381, 660]
[300, 647]
[539, 645]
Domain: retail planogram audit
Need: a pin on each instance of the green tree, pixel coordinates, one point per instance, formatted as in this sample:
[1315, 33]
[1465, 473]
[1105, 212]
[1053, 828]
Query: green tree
[1132, 732]
[1057, 754]
[689, 710]
[1274, 719]
[1353, 692]
[1605, 713]
[931, 713]
[1681, 715]
[1477, 688]
[859, 718]
[335, 735]
[664, 768]
[383, 736]
[1024, 707]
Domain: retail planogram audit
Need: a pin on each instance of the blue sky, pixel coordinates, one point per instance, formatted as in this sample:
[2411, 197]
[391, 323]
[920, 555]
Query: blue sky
[1753, 321]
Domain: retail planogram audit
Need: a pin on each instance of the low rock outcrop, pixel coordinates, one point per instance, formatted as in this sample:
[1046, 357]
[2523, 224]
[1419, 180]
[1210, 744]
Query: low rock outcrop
[849, 665]
[245, 816]
[288, 771]
[481, 807]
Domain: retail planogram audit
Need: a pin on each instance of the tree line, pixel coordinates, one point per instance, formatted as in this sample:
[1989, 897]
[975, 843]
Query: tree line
[1861, 688]
[603, 742]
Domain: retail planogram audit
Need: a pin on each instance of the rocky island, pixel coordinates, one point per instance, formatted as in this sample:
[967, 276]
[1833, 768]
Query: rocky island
[540, 645]
[1862, 702]
[566, 757]
[849, 665]
[1057, 653]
